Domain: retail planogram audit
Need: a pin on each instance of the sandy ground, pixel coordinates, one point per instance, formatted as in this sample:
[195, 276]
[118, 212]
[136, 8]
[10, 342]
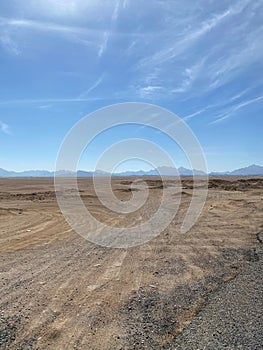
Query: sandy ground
[59, 291]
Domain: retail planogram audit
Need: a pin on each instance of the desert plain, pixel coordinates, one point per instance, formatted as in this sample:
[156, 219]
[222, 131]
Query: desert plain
[60, 291]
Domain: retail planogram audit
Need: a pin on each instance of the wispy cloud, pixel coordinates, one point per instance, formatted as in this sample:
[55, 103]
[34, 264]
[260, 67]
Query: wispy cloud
[240, 94]
[177, 48]
[60, 28]
[92, 87]
[104, 44]
[96, 36]
[125, 3]
[45, 106]
[43, 26]
[106, 35]
[5, 128]
[226, 67]
[51, 100]
[116, 11]
[149, 91]
[198, 66]
[129, 49]
[8, 44]
[192, 115]
[190, 74]
[82, 35]
[153, 87]
[235, 108]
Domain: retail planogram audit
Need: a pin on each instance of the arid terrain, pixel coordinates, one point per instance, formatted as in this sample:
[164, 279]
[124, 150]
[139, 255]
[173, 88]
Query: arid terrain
[59, 291]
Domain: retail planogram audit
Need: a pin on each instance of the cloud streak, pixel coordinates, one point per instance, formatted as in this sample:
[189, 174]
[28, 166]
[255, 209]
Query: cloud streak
[191, 37]
[192, 115]
[115, 15]
[43, 26]
[116, 11]
[92, 87]
[185, 59]
[240, 94]
[104, 44]
[237, 107]
[82, 35]
[51, 100]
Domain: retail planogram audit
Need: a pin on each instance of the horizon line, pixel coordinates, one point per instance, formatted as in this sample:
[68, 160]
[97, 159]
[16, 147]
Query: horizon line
[122, 172]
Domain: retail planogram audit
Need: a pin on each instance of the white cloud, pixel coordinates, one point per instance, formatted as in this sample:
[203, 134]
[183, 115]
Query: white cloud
[92, 87]
[178, 47]
[131, 48]
[125, 3]
[190, 116]
[5, 128]
[166, 50]
[116, 11]
[115, 15]
[43, 26]
[66, 9]
[82, 35]
[240, 94]
[97, 35]
[8, 44]
[226, 67]
[150, 91]
[103, 45]
[45, 106]
[235, 108]
[51, 100]
[185, 62]
[245, 103]
[190, 74]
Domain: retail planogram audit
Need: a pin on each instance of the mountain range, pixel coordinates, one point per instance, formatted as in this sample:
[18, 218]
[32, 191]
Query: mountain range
[252, 170]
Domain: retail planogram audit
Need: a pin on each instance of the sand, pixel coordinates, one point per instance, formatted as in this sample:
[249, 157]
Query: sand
[59, 291]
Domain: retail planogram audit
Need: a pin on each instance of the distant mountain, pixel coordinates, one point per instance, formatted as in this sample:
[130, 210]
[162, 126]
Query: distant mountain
[188, 172]
[27, 173]
[252, 170]
[46, 173]
[36, 173]
[163, 170]
[82, 173]
[5, 173]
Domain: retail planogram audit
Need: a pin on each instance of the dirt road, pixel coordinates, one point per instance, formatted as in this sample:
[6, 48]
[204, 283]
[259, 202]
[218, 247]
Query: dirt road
[59, 291]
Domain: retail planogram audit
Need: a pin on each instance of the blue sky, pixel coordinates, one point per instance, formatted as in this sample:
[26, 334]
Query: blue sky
[60, 60]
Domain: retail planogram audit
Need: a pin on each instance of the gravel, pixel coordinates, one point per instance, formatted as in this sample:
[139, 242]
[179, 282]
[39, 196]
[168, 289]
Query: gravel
[8, 328]
[232, 317]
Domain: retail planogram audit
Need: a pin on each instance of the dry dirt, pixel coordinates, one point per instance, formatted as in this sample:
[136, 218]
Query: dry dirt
[59, 291]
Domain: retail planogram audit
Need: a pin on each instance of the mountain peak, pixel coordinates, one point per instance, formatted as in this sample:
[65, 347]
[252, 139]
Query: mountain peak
[251, 170]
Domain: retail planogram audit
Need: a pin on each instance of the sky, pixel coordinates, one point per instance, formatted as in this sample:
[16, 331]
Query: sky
[61, 60]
